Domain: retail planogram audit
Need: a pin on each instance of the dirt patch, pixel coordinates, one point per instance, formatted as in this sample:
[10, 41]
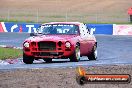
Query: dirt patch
[85, 6]
[63, 10]
[59, 78]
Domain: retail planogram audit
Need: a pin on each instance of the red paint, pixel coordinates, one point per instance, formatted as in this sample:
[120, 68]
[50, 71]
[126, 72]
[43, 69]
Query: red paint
[130, 11]
[1, 28]
[20, 30]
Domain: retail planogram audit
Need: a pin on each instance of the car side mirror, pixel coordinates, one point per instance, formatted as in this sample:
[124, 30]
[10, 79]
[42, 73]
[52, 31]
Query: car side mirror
[32, 34]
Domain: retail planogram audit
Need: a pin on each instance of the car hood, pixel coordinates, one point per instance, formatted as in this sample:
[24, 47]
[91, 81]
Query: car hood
[52, 38]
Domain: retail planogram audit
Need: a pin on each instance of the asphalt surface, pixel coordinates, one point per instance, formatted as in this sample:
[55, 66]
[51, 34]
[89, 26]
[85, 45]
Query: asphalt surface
[112, 50]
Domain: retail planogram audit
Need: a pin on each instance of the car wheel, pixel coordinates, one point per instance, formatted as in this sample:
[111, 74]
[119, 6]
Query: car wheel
[48, 60]
[93, 55]
[76, 55]
[27, 59]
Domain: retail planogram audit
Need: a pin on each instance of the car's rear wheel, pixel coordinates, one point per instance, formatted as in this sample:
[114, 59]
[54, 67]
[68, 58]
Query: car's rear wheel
[27, 59]
[76, 55]
[48, 60]
[93, 55]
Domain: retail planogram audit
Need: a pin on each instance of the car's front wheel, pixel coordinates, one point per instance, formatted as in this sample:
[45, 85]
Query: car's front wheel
[27, 59]
[76, 55]
[93, 55]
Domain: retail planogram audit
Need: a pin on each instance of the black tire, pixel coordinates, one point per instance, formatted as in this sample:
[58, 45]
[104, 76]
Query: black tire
[27, 59]
[48, 60]
[76, 55]
[93, 55]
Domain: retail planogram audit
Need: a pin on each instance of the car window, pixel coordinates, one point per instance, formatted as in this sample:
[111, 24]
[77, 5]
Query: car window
[59, 29]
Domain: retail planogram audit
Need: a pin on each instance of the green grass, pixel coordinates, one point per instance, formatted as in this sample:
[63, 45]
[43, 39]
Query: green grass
[87, 22]
[9, 53]
[13, 20]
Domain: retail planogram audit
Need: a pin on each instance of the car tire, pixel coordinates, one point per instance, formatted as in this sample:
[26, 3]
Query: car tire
[27, 59]
[93, 55]
[76, 55]
[48, 60]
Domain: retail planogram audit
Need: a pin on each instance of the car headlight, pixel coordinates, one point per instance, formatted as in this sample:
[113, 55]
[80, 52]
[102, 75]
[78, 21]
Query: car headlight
[26, 44]
[68, 44]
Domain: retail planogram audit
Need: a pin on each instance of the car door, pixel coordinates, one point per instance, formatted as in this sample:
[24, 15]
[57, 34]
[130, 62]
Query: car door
[86, 41]
[83, 40]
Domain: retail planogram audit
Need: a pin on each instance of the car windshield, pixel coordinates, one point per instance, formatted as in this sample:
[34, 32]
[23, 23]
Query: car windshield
[59, 29]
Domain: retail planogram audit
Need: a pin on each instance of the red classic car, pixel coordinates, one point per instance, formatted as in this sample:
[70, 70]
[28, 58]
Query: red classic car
[63, 40]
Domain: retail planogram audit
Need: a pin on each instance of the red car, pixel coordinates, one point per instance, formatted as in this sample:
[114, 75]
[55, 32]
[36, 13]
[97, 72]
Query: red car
[60, 40]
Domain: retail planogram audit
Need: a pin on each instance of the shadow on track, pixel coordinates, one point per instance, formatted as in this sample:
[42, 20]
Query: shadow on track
[64, 61]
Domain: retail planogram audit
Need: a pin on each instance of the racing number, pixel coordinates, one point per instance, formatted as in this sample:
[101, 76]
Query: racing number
[62, 31]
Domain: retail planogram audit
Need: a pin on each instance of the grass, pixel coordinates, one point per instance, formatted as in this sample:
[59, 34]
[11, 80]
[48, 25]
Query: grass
[9, 53]
[13, 20]
[107, 22]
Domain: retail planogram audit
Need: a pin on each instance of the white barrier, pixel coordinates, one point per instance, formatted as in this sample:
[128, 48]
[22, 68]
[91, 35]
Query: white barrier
[108, 29]
[122, 29]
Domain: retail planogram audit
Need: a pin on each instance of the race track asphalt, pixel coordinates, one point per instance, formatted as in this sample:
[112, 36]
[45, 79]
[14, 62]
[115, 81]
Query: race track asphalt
[112, 50]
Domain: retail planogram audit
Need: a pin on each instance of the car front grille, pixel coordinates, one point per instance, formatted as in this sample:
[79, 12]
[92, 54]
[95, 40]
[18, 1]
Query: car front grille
[47, 53]
[47, 46]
